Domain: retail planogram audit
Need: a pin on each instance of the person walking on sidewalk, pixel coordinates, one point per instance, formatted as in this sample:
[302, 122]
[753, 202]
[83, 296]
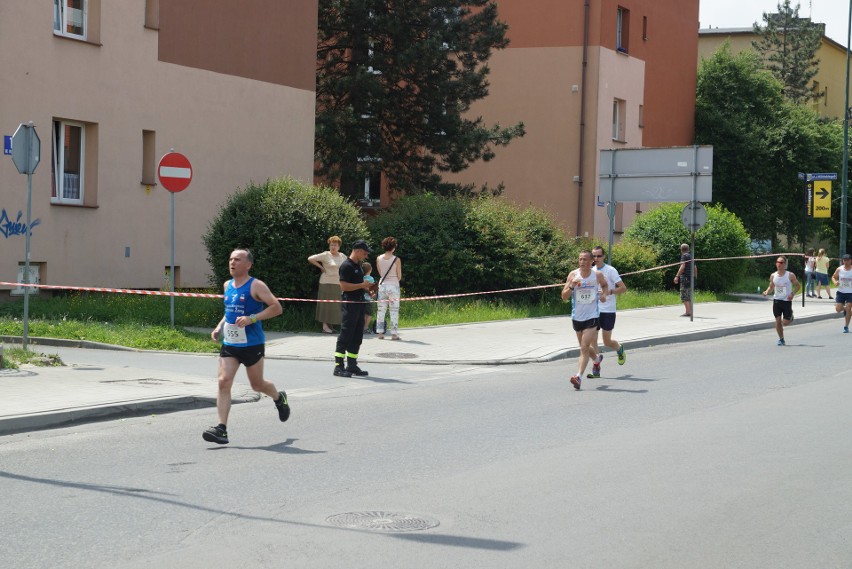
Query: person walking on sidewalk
[842, 279]
[243, 341]
[585, 288]
[683, 278]
[390, 269]
[785, 286]
[821, 274]
[352, 286]
[810, 269]
[606, 320]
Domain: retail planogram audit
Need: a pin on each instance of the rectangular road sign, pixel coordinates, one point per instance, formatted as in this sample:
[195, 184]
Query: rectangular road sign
[7, 145]
[821, 176]
[678, 174]
[822, 198]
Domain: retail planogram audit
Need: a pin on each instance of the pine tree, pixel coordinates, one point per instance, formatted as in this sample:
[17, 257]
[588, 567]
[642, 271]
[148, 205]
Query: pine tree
[395, 84]
[788, 45]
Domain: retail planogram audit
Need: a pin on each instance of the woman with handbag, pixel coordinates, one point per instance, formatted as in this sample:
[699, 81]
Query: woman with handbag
[390, 267]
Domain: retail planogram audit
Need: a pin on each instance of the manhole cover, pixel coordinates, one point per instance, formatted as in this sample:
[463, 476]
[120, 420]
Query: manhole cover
[397, 355]
[382, 521]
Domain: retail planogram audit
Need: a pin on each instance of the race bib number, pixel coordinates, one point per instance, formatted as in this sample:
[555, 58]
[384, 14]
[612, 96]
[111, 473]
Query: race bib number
[781, 291]
[845, 283]
[585, 296]
[234, 334]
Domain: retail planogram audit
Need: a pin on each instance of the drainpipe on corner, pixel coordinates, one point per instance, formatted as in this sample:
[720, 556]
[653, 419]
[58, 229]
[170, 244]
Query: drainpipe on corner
[587, 9]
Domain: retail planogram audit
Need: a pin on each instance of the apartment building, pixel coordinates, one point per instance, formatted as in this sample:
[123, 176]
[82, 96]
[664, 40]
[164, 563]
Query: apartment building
[585, 76]
[113, 85]
[829, 82]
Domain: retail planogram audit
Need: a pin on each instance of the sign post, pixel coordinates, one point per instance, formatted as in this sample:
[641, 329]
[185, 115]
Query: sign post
[175, 173]
[26, 150]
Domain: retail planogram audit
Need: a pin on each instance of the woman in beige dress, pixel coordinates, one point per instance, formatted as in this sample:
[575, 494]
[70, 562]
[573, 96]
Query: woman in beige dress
[329, 285]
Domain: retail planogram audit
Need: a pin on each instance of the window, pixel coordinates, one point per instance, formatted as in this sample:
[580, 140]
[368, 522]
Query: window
[149, 160]
[645, 28]
[618, 116]
[152, 14]
[69, 18]
[68, 153]
[641, 116]
[816, 94]
[622, 38]
[372, 189]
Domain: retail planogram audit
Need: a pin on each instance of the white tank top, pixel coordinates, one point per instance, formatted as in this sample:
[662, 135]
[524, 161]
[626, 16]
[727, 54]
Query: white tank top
[584, 298]
[844, 279]
[383, 265]
[783, 286]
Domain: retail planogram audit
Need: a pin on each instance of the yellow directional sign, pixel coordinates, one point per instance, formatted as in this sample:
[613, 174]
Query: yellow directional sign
[822, 198]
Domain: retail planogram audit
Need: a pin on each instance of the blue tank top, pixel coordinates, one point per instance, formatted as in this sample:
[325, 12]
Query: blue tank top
[240, 302]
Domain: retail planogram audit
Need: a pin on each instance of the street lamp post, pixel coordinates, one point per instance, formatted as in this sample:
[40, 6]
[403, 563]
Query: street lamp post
[844, 177]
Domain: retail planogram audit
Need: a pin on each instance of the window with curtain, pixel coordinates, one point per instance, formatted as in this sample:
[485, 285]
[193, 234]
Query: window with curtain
[69, 18]
[68, 153]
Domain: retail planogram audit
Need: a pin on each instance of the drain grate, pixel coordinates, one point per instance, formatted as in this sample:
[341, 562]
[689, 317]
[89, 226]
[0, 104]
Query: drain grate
[397, 355]
[382, 521]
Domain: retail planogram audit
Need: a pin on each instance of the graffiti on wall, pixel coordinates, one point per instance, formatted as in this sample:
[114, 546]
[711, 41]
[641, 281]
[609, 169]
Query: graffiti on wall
[9, 228]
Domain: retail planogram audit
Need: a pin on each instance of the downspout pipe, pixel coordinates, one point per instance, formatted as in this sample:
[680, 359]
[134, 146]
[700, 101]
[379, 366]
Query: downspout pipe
[581, 154]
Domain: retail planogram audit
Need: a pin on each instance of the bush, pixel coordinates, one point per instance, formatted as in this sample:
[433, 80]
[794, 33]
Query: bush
[630, 256]
[457, 244]
[283, 222]
[723, 236]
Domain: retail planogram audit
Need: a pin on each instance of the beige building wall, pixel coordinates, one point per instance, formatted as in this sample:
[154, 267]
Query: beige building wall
[233, 129]
[830, 80]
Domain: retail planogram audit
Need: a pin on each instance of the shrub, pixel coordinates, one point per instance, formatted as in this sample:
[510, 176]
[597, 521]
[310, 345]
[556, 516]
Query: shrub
[630, 256]
[462, 244]
[723, 236]
[283, 222]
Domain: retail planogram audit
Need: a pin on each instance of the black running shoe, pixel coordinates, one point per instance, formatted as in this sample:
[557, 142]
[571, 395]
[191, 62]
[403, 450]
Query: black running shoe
[341, 372]
[355, 370]
[215, 435]
[282, 406]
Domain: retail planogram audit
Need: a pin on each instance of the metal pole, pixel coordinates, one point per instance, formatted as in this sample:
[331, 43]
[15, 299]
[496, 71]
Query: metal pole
[844, 180]
[25, 340]
[692, 222]
[172, 270]
[804, 224]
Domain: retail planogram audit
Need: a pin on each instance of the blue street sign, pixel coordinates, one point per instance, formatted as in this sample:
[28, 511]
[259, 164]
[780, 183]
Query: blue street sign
[823, 176]
[7, 145]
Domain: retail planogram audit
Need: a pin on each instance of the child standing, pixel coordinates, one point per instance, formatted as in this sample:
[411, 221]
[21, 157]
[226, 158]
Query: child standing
[367, 268]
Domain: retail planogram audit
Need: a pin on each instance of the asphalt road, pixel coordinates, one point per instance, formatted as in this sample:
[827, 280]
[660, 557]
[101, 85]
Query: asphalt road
[723, 453]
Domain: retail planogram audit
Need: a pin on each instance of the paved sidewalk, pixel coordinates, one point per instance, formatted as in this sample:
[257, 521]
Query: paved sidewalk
[43, 397]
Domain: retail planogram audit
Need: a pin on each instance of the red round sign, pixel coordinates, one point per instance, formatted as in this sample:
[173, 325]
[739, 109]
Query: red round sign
[174, 172]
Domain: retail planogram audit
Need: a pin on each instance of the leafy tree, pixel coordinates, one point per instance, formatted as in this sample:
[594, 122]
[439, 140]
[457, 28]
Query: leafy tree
[395, 83]
[788, 45]
[761, 141]
[723, 236]
[283, 222]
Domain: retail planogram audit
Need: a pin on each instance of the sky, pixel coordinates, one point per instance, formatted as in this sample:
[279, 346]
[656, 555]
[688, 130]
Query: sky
[743, 13]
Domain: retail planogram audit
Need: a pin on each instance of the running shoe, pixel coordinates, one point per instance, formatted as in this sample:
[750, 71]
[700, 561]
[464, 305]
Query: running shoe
[596, 366]
[622, 357]
[595, 373]
[575, 381]
[215, 435]
[355, 370]
[781, 342]
[282, 406]
[340, 371]
[846, 329]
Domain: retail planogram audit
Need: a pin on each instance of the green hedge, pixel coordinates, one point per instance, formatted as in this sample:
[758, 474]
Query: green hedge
[722, 237]
[283, 222]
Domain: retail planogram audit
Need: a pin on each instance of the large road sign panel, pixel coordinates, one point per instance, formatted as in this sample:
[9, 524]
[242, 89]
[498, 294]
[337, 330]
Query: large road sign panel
[822, 198]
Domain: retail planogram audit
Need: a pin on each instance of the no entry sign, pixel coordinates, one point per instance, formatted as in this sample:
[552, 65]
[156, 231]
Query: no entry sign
[174, 172]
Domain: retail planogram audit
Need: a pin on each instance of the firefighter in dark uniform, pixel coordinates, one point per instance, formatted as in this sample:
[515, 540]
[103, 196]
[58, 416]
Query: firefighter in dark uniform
[352, 285]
